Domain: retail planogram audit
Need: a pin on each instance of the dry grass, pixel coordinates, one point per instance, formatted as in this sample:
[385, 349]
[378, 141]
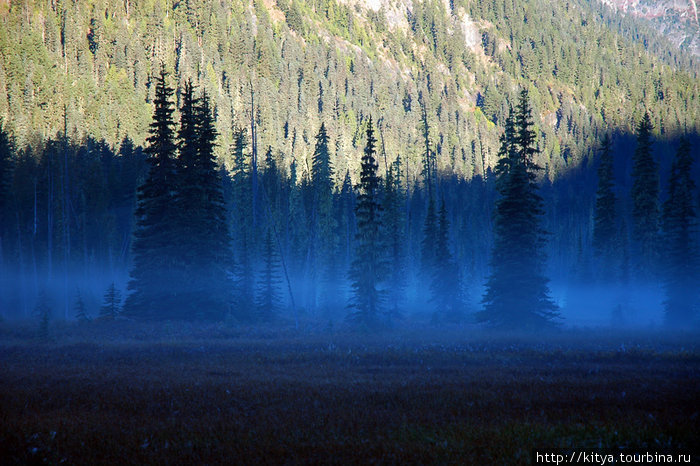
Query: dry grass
[128, 394]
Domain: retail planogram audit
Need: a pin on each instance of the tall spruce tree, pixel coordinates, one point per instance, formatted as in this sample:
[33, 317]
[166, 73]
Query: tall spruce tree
[111, 304]
[680, 261]
[517, 294]
[203, 242]
[243, 239]
[446, 286]
[268, 297]
[322, 240]
[369, 266]
[154, 278]
[6, 161]
[645, 200]
[605, 243]
[394, 221]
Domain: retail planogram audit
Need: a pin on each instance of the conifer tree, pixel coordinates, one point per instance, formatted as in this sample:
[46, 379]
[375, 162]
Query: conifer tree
[369, 267]
[517, 294]
[605, 245]
[395, 237]
[42, 311]
[446, 284]
[111, 304]
[322, 240]
[243, 307]
[268, 298]
[81, 314]
[430, 232]
[204, 240]
[153, 283]
[679, 221]
[6, 160]
[645, 199]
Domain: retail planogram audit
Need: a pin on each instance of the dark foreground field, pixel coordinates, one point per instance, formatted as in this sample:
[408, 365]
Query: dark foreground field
[180, 395]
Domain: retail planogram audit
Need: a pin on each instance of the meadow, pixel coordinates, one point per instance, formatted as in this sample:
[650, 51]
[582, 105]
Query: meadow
[124, 393]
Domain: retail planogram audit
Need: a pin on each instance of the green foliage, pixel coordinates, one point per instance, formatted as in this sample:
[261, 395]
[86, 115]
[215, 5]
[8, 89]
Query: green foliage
[154, 273]
[369, 267]
[645, 200]
[517, 295]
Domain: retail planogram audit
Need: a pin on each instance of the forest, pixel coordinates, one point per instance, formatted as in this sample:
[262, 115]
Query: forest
[75, 148]
[393, 231]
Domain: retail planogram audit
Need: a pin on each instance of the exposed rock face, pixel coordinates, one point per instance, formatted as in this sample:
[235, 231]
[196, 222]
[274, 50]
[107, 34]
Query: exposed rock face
[676, 19]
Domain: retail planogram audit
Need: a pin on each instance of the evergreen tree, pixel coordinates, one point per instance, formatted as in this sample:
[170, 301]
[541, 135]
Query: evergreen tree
[517, 294]
[268, 299]
[111, 304]
[446, 284]
[244, 247]
[680, 242]
[322, 240]
[6, 160]
[645, 199]
[429, 242]
[604, 226]
[154, 281]
[395, 236]
[369, 267]
[81, 314]
[203, 242]
[42, 311]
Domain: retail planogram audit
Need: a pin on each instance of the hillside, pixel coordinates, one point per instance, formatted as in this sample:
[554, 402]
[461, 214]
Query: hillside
[676, 19]
[88, 67]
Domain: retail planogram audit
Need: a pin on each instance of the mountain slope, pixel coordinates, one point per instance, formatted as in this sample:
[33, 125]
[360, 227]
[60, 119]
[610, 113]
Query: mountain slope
[298, 64]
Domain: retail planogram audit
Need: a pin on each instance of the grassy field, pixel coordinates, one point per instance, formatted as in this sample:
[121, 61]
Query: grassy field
[178, 394]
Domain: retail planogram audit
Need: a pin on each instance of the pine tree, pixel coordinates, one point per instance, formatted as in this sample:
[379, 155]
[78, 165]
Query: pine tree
[517, 294]
[446, 284]
[111, 304]
[268, 298]
[605, 245]
[680, 259]
[81, 314]
[369, 267]
[154, 278]
[645, 199]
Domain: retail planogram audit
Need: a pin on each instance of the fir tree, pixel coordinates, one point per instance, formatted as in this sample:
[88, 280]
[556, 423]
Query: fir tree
[322, 240]
[517, 294]
[268, 299]
[395, 237]
[645, 199]
[204, 240]
[604, 228]
[446, 285]
[679, 223]
[430, 231]
[111, 304]
[369, 267]
[81, 314]
[154, 281]
[42, 311]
